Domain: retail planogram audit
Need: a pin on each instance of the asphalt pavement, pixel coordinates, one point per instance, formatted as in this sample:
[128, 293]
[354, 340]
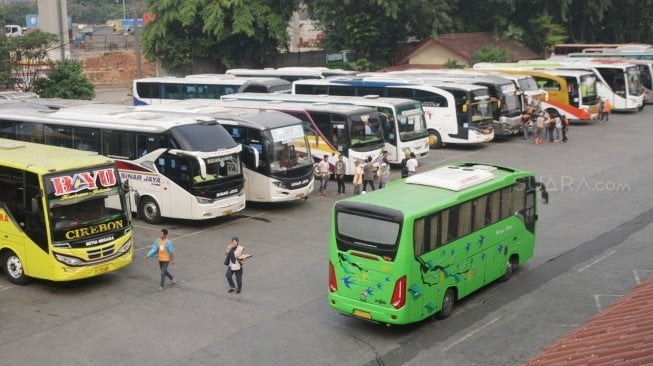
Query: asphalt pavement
[593, 246]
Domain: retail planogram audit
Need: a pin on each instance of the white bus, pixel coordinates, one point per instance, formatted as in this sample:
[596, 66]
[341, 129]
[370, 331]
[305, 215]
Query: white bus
[404, 132]
[454, 113]
[160, 90]
[177, 166]
[618, 82]
[291, 73]
[507, 115]
[279, 165]
[332, 129]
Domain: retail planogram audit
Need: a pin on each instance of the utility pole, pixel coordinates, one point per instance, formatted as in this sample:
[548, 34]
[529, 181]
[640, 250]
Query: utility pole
[137, 46]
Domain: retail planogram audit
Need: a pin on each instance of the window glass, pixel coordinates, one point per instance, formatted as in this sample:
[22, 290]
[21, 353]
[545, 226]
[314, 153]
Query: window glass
[464, 218]
[506, 202]
[479, 206]
[493, 208]
[418, 237]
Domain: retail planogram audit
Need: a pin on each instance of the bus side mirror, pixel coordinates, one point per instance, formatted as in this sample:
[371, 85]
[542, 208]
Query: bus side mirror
[544, 193]
[34, 202]
[125, 186]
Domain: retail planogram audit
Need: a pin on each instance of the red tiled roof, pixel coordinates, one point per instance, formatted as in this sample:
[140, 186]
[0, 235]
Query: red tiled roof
[622, 334]
[467, 44]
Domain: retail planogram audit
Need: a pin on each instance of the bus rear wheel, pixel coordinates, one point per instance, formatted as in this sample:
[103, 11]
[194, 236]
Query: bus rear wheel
[435, 140]
[448, 301]
[148, 211]
[511, 266]
[13, 268]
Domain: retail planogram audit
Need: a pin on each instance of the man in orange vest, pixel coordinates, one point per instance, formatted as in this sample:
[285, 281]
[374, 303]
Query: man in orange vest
[607, 107]
[164, 251]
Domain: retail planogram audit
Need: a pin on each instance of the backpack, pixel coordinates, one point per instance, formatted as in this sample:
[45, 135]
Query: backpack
[404, 168]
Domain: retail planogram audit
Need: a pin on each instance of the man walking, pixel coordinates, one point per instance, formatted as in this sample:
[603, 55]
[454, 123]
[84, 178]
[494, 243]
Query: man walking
[164, 251]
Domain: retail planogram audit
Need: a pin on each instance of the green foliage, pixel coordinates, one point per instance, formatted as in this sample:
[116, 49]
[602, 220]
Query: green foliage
[65, 80]
[490, 54]
[15, 12]
[454, 64]
[219, 32]
[6, 79]
[97, 11]
[28, 55]
[550, 33]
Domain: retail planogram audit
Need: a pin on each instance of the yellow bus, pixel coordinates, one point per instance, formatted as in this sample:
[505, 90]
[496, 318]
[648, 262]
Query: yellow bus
[63, 214]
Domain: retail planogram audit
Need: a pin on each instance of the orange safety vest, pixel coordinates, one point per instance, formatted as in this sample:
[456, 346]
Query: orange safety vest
[163, 253]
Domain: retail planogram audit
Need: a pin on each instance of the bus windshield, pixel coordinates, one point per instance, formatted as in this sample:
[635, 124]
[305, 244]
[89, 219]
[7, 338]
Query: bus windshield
[528, 84]
[411, 123]
[588, 88]
[79, 204]
[509, 99]
[634, 84]
[365, 130]
[284, 148]
[481, 108]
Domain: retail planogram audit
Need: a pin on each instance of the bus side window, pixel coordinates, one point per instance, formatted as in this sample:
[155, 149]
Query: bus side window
[34, 220]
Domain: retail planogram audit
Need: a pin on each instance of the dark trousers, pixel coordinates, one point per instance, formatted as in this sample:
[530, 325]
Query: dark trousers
[564, 134]
[366, 182]
[340, 178]
[164, 272]
[239, 277]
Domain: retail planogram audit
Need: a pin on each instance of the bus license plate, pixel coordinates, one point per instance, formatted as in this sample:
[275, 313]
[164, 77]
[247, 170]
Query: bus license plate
[362, 314]
[103, 269]
[228, 212]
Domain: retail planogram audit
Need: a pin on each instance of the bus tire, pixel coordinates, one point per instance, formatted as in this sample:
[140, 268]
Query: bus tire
[149, 211]
[448, 301]
[511, 267]
[435, 140]
[13, 268]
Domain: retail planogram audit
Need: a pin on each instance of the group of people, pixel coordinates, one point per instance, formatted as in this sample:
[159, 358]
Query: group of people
[544, 126]
[164, 252]
[605, 107]
[364, 173]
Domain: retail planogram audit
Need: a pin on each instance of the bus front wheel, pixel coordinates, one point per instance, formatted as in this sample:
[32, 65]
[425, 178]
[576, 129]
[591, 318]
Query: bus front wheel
[148, 211]
[448, 302]
[435, 140]
[13, 268]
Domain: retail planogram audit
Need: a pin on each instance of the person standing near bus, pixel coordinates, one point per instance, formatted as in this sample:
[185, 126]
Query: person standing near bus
[601, 107]
[607, 108]
[358, 177]
[384, 173]
[233, 254]
[368, 174]
[323, 166]
[164, 251]
[340, 171]
[411, 164]
[565, 128]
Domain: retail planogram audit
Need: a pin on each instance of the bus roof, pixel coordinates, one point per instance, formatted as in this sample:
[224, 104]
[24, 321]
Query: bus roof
[298, 106]
[258, 118]
[331, 99]
[44, 159]
[122, 116]
[416, 198]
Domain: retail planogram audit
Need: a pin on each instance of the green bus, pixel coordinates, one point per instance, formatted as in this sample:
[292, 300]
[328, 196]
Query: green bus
[410, 251]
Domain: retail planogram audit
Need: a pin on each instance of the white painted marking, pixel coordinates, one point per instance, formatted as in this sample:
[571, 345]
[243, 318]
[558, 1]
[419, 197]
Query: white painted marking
[638, 280]
[596, 261]
[597, 300]
[470, 334]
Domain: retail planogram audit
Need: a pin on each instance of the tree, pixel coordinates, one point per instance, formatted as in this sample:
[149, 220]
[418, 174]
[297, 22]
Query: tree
[376, 29]
[65, 80]
[218, 32]
[490, 54]
[28, 56]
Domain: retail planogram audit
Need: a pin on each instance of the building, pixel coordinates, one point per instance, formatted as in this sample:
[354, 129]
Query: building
[459, 47]
[622, 334]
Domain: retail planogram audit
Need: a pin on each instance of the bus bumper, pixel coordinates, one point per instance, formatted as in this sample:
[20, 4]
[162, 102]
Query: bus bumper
[64, 273]
[369, 312]
[279, 194]
[221, 208]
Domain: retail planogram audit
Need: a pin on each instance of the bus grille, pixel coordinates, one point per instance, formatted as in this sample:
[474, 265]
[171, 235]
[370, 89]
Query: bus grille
[100, 252]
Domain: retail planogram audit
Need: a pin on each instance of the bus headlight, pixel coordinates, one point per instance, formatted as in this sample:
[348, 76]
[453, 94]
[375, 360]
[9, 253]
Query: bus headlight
[125, 247]
[71, 261]
[280, 185]
[203, 200]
